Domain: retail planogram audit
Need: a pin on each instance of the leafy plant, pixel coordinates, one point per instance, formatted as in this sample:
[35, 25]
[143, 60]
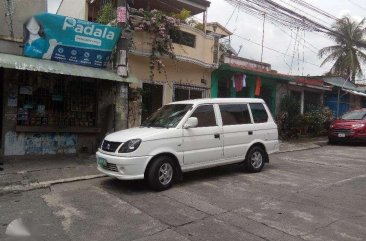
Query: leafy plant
[195, 24]
[183, 15]
[318, 121]
[107, 14]
[289, 118]
[291, 123]
[347, 53]
[160, 26]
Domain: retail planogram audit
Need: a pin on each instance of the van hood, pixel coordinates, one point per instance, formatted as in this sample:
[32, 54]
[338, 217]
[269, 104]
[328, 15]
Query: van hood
[143, 133]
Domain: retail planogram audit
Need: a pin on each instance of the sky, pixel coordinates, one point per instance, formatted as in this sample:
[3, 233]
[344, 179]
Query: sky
[279, 40]
[53, 5]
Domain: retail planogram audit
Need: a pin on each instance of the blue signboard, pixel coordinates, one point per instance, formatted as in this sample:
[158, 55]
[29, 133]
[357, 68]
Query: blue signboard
[69, 40]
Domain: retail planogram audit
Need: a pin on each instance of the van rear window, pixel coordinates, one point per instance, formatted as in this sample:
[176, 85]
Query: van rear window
[259, 113]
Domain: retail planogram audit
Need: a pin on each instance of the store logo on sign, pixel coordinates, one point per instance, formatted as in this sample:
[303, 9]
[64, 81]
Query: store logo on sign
[90, 30]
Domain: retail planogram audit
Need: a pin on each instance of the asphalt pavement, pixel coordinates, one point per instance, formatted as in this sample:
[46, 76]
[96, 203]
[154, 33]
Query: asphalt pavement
[316, 194]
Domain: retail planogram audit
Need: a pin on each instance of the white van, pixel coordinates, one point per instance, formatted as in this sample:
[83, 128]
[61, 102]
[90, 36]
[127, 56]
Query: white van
[190, 135]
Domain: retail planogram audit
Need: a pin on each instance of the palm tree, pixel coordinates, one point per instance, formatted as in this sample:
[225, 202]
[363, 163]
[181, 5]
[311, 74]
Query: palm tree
[346, 54]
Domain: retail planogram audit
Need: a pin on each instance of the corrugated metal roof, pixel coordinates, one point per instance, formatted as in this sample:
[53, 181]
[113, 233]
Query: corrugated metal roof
[40, 65]
[356, 92]
[341, 82]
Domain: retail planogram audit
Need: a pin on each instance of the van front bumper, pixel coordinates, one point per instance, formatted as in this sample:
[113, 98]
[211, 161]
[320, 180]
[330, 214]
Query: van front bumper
[123, 168]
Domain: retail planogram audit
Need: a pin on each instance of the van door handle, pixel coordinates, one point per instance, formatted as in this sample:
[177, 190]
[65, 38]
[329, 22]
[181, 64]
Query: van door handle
[217, 136]
[250, 133]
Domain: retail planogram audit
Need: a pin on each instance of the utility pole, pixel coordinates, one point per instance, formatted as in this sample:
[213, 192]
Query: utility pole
[123, 43]
[121, 106]
[264, 21]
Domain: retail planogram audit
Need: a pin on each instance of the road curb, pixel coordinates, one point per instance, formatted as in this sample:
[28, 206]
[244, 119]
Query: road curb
[46, 184]
[300, 149]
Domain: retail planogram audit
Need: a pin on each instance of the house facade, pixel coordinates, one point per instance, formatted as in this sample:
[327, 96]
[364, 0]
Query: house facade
[258, 81]
[186, 77]
[343, 96]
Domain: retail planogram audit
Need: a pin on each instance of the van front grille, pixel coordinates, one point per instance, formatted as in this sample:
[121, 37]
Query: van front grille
[110, 146]
[111, 167]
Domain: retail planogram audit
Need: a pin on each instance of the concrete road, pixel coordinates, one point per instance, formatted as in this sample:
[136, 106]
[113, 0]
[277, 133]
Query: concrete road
[317, 194]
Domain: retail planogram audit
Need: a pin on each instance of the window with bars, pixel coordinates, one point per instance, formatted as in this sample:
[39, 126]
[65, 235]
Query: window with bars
[182, 92]
[56, 101]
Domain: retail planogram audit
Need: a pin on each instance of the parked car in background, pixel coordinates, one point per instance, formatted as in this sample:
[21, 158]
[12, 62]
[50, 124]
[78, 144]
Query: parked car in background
[191, 135]
[350, 127]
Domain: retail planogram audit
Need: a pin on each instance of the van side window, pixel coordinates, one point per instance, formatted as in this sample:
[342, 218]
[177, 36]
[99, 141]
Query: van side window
[205, 115]
[259, 113]
[235, 114]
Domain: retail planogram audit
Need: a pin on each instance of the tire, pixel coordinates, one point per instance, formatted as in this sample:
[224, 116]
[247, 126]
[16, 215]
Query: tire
[256, 157]
[161, 173]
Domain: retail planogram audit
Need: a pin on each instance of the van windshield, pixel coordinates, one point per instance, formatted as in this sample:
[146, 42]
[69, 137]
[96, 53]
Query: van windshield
[354, 115]
[168, 116]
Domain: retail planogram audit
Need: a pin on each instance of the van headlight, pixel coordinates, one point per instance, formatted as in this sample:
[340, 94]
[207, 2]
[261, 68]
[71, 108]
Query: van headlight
[358, 126]
[130, 146]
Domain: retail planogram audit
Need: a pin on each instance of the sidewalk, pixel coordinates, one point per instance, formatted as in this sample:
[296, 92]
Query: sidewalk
[302, 144]
[24, 174]
[27, 174]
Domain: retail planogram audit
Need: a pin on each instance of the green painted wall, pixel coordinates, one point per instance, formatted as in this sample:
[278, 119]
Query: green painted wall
[215, 84]
[268, 83]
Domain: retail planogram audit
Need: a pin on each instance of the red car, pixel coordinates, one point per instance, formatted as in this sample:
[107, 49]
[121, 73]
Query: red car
[350, 127]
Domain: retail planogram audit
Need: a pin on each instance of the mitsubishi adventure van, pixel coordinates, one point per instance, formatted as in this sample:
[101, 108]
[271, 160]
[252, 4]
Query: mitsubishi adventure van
[190, 135]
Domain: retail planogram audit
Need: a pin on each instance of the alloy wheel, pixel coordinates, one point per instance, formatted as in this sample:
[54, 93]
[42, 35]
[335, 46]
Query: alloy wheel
[256, 159]
[165, 173]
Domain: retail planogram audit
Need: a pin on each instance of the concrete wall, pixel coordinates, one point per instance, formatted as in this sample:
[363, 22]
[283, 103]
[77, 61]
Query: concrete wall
[74, 8]
[202, 53]
[180, 73]
[24, 9]
[282, 90]
[11, 47]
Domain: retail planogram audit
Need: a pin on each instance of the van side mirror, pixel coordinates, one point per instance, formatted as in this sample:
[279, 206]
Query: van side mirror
[192, 122]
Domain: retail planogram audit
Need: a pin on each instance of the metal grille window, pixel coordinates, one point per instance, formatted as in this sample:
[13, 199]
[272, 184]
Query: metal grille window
[56, 101]
[185, 92]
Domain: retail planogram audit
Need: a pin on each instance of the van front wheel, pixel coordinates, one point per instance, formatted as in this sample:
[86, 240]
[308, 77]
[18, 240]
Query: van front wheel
[255, 160]
[161, 173]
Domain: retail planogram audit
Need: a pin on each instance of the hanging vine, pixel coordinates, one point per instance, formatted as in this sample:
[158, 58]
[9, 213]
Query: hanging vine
[161, 27]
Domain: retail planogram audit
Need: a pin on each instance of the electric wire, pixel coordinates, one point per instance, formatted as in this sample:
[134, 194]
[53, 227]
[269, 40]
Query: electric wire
[274, 50]
[358, 5]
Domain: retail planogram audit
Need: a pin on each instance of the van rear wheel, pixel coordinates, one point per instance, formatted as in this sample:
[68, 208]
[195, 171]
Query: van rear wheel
[255, 159]
[161, 173]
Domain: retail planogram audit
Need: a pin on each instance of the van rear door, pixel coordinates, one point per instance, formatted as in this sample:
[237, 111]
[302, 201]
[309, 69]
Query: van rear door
[264, 125]
[238, 129]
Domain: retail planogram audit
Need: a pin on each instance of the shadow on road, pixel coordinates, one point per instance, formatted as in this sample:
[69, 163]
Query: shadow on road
[350, 144]
[138, 187]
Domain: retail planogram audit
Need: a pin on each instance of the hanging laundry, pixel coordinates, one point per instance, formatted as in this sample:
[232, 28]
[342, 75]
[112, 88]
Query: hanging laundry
[244, 81]
[258, 85]
[238, 82]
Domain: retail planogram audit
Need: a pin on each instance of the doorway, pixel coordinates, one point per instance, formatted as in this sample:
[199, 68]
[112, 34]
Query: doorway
[152, 99]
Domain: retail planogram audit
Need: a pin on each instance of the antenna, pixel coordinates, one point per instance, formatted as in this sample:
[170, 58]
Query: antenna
[240, 47]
